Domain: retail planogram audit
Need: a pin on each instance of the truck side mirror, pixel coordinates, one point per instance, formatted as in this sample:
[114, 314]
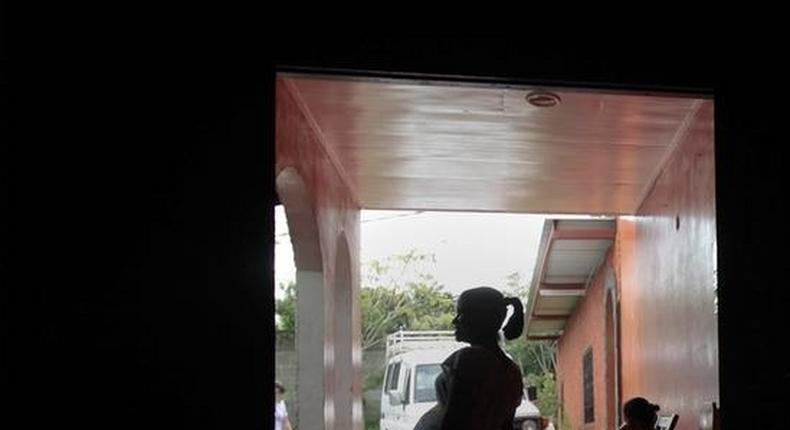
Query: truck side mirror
[395, 398]
[532, 393]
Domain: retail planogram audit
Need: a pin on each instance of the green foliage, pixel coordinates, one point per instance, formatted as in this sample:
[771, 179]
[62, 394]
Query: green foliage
[371, 422]
[538, 359]
[400, 293]
[547, 401]
[535, 357]
[285, 311]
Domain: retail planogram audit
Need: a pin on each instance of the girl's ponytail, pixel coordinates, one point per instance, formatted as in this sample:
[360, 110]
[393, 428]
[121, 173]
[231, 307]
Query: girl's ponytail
[515, 325]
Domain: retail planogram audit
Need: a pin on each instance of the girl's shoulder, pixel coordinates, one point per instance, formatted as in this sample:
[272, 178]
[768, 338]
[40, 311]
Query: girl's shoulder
[470, 356]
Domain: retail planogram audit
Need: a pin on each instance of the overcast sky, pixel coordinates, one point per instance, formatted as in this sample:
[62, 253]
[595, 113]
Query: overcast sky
[471, 249]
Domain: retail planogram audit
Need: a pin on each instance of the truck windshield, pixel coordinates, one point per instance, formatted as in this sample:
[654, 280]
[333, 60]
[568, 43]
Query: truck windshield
[424, 390]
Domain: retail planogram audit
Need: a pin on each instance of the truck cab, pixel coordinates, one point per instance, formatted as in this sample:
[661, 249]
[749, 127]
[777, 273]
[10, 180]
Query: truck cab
[413, 360]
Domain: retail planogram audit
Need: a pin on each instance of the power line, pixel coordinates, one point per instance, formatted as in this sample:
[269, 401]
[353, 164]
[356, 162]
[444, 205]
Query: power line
[406, 215]
[415, 213]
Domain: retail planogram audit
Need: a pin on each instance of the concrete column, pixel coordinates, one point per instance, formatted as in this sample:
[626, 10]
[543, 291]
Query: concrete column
[310, 351]
[343, 338]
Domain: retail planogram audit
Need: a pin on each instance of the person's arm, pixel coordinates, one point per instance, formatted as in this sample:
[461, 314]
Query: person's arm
[286, 421]
[462, 412]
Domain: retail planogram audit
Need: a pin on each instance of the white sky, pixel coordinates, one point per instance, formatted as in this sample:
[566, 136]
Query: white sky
[471, 249]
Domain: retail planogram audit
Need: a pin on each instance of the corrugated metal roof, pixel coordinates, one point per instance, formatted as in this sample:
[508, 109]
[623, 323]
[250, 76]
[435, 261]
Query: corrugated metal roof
[570, 252]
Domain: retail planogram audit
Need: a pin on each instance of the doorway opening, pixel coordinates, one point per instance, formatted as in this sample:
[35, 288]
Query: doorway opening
[642, 163]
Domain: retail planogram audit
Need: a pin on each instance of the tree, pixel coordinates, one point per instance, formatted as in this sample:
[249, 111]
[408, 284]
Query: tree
[538, 359]
[535, 357]
[547, 401]
[383, 311]
[285, 312]
[398, 292]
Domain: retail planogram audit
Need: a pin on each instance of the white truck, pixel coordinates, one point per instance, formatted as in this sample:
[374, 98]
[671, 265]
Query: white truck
[413, 361]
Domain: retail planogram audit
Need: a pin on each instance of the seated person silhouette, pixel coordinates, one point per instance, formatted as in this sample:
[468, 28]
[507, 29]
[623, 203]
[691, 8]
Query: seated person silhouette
[484, 386]
[639, 414]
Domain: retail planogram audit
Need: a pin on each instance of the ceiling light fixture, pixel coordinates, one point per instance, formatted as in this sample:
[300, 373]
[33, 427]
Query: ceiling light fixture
[543, 99]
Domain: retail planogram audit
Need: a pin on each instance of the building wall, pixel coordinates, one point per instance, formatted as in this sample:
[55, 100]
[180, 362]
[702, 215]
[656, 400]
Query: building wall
[585, 329]
[335, 219]
[668, 283]
[664, 263]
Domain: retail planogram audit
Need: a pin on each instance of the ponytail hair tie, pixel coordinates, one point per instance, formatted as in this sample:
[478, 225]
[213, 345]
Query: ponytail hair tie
[515, 325]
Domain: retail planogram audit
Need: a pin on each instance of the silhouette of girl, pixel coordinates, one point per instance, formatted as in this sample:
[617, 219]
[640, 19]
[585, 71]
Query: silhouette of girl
[484, 385]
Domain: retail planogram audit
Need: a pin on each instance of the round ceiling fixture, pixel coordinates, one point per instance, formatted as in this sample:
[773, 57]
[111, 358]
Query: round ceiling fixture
[543, 99]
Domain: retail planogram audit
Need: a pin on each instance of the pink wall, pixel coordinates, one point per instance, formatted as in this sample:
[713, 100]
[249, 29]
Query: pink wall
[299, 146]
[667, 274]
[664, 265]
[585, 329]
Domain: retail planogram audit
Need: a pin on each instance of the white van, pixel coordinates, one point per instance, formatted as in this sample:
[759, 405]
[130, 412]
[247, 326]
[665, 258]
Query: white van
[414, 360]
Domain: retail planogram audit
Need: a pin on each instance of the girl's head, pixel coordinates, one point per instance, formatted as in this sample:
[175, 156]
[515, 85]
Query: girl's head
[279, 390]
[480, 313]
[640, 413]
